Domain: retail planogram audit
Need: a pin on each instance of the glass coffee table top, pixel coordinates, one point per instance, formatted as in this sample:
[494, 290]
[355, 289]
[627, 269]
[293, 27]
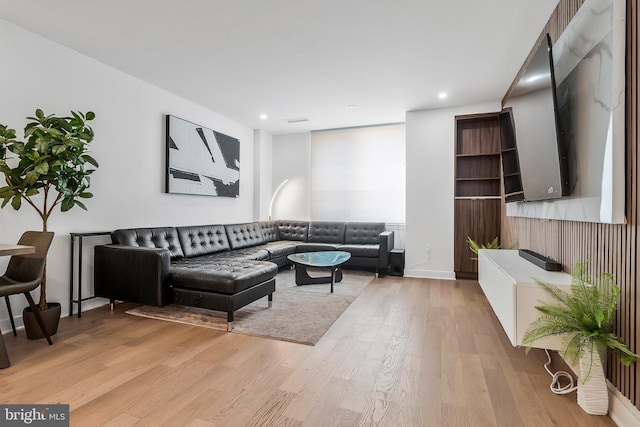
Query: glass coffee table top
[320, 259]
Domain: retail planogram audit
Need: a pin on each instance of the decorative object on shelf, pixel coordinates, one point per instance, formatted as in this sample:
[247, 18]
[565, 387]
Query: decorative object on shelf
[53, 163]
[585, 318]
[201, 161]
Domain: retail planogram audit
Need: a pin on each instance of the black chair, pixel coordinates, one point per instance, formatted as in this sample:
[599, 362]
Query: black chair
[25, 272]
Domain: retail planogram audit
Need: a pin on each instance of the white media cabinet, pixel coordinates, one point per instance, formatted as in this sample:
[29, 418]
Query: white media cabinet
[507, 281]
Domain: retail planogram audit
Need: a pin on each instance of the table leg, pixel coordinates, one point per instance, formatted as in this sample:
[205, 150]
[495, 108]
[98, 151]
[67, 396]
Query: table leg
[303, 278]
[338, 274]
[79, 277]
[71, 278]
[4, 357]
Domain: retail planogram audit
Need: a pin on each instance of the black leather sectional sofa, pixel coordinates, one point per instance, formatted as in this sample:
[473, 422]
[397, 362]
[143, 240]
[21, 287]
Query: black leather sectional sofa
[224, 267]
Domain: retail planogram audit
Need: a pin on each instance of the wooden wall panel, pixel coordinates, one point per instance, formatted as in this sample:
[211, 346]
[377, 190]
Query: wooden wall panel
[632, 187]
[611, 248]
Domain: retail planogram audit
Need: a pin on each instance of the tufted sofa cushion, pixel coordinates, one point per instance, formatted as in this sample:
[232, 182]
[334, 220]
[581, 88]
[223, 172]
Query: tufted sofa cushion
[326, 232]
[279, 248]
[255, 253]
[203, 239]
[244, 235]
[363, 233]
[227, 277]
[269, 230]
[293, 230]
[368, 251]
[161, 238]
[316, 247]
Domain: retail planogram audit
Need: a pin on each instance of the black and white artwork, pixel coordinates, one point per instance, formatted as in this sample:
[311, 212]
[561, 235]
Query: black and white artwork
[201, 161]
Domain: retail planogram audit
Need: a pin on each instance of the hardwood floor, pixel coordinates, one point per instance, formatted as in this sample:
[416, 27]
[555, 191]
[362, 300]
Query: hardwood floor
[407, 352]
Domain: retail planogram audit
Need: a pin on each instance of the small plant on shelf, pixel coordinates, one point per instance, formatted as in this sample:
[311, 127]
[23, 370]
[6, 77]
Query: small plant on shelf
[475, 247]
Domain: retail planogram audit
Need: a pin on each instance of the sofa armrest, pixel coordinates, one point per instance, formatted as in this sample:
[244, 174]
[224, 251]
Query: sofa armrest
[387, 239]
[133, 274]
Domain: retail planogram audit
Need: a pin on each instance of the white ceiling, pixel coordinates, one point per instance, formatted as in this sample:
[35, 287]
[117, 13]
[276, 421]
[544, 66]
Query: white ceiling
[302, 58]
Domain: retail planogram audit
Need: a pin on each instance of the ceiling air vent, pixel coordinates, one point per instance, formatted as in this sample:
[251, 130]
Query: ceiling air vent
[297, 120]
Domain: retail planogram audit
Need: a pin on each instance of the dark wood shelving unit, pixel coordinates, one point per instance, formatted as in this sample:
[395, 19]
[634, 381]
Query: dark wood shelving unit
[478, 194]
[478, 155]
[510, 164]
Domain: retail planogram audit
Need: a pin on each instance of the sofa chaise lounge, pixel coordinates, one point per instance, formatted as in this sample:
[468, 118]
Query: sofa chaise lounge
[224, 267]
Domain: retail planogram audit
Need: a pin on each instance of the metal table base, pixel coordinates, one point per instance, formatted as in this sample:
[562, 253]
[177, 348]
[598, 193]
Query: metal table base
[78, 237]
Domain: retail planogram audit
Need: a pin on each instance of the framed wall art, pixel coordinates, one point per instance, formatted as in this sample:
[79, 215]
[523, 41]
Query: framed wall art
[201, 161]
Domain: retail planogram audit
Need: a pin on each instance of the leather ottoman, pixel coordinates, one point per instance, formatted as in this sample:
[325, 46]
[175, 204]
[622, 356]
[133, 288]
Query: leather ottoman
[224, 286]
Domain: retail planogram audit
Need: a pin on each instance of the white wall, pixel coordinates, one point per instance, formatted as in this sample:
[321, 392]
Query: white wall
[292, 161]
[428, 239]
[129, 145]
[430, 190]
[262, 174]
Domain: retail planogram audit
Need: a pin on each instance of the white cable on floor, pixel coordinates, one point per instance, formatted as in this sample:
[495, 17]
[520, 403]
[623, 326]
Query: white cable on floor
[555, 385]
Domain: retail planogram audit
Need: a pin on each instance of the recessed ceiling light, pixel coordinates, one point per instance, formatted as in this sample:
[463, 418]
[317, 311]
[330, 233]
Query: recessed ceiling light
[442, 95]
[263, 116]
[351, 106]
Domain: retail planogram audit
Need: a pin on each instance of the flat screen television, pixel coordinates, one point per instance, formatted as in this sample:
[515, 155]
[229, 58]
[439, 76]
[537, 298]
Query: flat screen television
[530, 117]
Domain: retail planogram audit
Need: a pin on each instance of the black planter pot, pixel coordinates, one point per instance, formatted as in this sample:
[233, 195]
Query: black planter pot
[51, 317]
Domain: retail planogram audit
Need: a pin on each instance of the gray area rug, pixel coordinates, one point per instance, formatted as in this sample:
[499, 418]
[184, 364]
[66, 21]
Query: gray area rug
[301, 314]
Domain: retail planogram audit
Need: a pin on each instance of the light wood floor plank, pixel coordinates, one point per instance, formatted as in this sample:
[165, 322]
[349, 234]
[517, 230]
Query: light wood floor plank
[407, 352]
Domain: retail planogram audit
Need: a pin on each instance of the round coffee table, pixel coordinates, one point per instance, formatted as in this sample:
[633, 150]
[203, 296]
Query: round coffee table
[322, 259]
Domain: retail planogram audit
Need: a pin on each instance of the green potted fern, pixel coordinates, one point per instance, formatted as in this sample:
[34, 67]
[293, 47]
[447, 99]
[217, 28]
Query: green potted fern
[51, 168]
[584, 318]
[475, 247]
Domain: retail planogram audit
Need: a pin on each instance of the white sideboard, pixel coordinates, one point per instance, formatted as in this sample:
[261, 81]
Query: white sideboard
[507, 281]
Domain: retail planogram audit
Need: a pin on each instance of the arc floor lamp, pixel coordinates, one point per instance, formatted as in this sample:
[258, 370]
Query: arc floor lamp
[273, 198]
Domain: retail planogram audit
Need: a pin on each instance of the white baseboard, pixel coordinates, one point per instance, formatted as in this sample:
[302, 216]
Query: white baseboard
[5, 324]
[430, 274]
[89, 305]
[621, 410]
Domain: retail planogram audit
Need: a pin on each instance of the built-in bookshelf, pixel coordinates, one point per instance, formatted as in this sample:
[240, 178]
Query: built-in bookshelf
[477, 187]
[477, 157]
[510, 164]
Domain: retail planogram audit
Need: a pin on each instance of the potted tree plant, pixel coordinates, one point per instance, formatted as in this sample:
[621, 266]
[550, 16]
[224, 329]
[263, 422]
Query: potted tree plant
[584, 317]
[52, 167]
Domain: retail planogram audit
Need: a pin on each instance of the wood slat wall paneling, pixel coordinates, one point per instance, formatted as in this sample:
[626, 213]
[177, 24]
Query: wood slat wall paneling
[612, 248]
[631, 302]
